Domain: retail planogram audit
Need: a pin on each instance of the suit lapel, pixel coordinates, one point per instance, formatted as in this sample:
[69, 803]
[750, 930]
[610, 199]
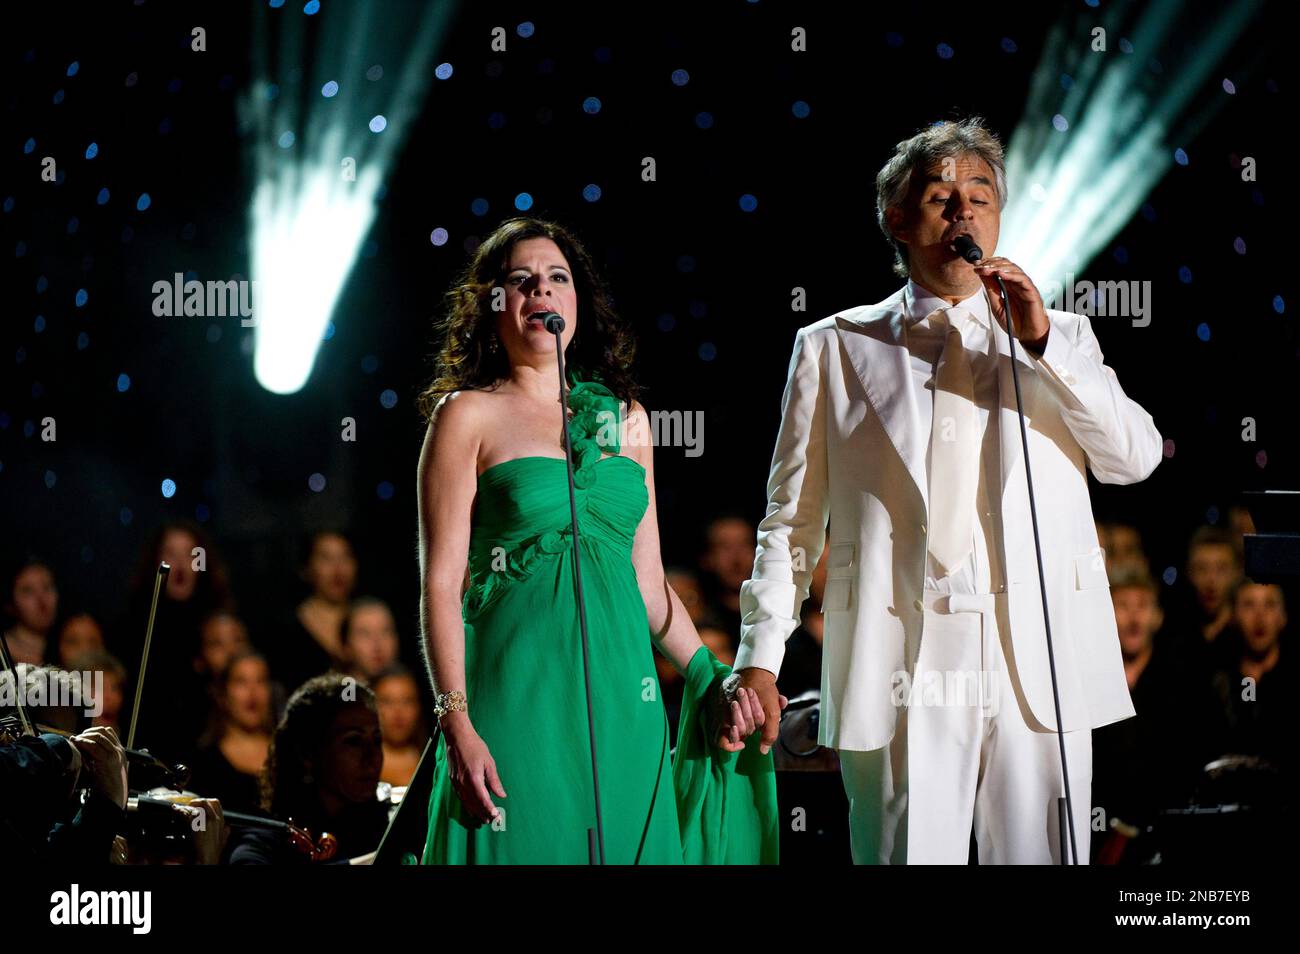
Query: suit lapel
[873, 341]
[874, 344]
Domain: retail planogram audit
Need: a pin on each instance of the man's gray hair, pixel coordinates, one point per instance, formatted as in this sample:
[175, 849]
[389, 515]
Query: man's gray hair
[912, 157]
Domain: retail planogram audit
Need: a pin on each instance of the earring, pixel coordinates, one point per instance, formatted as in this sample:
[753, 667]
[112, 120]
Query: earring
[492, 343]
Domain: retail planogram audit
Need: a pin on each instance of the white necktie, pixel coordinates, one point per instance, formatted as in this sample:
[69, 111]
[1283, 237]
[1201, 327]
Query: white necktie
[954, 446]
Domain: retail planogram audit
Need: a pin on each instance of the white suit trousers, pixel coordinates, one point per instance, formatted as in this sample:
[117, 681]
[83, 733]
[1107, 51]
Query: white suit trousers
[964, 753]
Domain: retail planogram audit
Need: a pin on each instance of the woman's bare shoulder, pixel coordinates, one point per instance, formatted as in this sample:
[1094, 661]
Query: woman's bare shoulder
[639, 446]
[461, 409]
[456, 425]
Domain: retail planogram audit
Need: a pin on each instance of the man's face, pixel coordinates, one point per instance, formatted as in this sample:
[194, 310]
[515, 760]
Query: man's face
[1137, 616]
[1125, 545]
[956, 196]
[1259, 614]
[731, 552]
[332, 569]
[1212, 571]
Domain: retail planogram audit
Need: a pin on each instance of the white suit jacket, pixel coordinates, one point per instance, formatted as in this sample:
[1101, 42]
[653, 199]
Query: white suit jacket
[849, 463]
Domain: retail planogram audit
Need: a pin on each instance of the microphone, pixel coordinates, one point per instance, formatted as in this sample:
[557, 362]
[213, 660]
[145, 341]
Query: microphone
[551, 322]
[965, 246]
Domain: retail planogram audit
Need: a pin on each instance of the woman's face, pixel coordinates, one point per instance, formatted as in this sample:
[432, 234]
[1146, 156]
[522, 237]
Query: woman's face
[398, 699]
[80, 635]
[36, 601]
[332, 569]
[353, 756]
[372, 640]
[221, 637]
[113, 695]
[177, 549]
[248, 694]
[537, 277]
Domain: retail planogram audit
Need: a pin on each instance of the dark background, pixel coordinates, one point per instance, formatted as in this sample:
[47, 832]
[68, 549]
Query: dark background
[679, 247]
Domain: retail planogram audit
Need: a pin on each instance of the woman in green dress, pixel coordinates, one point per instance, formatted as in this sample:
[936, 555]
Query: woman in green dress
[513, 773]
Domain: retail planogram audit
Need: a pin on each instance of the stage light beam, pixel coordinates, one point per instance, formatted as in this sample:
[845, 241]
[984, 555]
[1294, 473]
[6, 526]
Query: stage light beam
[315, 191]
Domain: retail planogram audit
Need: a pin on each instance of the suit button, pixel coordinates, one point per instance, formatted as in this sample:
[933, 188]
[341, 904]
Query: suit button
[918, 606]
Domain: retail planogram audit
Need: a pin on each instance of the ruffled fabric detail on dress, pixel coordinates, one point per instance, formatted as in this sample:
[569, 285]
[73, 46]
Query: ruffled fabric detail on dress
[519, 563]
[593, 431]
[593, 428]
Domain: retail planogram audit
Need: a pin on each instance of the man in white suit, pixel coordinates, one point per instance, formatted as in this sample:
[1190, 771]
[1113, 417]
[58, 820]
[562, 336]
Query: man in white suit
[900, 448]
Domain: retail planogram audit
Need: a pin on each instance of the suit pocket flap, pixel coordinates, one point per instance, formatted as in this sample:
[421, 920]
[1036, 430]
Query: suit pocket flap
[837, 595]
[841, 555]
[1090, 570]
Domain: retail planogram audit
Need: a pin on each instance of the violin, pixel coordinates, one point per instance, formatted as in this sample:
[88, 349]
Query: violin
[160, 804]
[146, 768]
[150, 776]
[149, 772]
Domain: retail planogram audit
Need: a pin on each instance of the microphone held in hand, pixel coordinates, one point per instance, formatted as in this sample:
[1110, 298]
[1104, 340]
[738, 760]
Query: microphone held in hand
[965, 246]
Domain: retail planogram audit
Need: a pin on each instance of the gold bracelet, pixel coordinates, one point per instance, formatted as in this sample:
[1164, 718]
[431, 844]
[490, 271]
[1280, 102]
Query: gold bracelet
[453, 701]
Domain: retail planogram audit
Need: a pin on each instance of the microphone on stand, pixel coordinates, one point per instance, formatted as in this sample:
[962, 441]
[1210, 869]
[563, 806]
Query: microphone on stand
[595, 839]
[966, 247]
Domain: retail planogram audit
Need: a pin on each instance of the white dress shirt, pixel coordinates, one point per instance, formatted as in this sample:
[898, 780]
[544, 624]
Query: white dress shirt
[981, 571]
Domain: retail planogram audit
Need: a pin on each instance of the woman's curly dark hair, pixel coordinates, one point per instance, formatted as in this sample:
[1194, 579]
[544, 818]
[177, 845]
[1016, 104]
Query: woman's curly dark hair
[602, 349]
[301, 737]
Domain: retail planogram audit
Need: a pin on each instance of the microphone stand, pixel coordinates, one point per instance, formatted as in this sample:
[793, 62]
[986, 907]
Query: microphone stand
[1064, 806]
[554, 323]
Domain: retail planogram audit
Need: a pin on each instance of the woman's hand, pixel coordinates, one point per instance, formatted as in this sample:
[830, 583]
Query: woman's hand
[472, 767]
[737, 719]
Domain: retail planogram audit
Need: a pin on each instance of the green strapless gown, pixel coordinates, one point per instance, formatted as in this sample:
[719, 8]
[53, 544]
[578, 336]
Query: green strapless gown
[524, 683]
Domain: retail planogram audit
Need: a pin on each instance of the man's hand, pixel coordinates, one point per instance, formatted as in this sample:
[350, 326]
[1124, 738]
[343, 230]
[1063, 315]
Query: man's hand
[736, 719]
[105, 758]
[763, 684]
[211, 833]
[1030, 315]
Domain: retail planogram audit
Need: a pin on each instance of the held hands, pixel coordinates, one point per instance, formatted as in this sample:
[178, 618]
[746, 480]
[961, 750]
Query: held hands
[1026, 303]
[472, 767]
[756, 704]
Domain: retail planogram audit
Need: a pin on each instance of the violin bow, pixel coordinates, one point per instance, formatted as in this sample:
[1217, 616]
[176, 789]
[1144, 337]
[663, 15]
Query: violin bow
[163, 569]
[7, 662]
